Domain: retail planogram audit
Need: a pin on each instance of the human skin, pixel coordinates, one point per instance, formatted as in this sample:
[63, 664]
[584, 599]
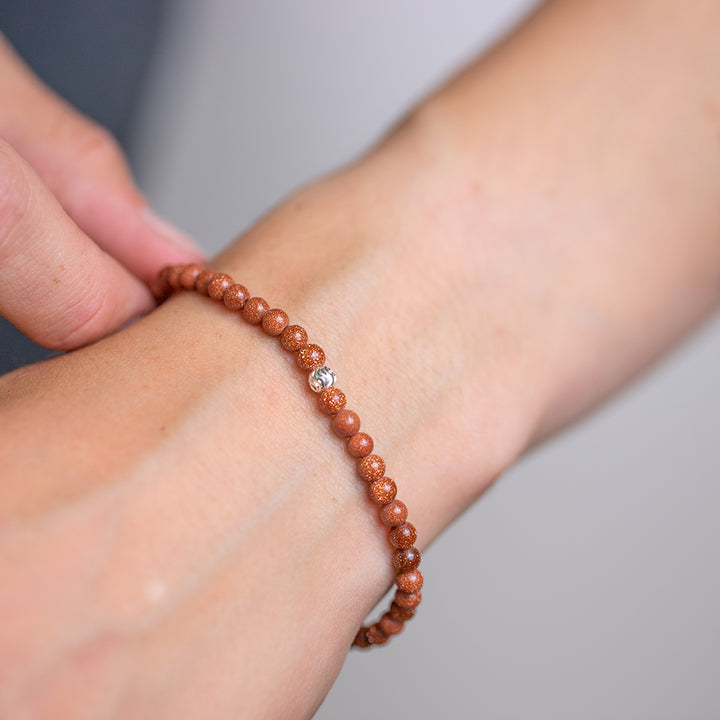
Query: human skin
[183, 536]
[77, 238]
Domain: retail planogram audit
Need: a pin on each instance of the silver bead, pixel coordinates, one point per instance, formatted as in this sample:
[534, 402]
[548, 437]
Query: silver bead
[321, 378]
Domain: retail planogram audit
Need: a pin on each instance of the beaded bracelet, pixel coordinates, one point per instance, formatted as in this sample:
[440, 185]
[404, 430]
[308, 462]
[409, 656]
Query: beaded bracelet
[345, 423]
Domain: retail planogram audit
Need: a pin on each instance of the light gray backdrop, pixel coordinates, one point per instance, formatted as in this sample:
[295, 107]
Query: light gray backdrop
[594, 582]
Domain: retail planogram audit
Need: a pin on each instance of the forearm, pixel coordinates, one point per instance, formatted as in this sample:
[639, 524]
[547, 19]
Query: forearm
[582, 168]
[511, 255]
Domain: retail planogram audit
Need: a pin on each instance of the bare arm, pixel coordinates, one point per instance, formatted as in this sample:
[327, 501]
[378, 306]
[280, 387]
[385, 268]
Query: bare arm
[180, 530]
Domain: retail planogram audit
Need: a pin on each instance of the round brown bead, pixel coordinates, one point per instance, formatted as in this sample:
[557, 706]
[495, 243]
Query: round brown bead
[372, 467]
[189, 275]
[361, 638]
[310, 357]
[346, 422]
[389, 625]
[275, 321]
[202, 280]
[383, 491]
[360, 445]
[218, 284]
[409, 582]
[376, 636]
[400, 613]
[403, 536]
[394, 513]
[254, 310]
[161, 286]
[407, 600]
[405, 559]
[236, 296]
[173, 276]
[331, 400]
[293, 337]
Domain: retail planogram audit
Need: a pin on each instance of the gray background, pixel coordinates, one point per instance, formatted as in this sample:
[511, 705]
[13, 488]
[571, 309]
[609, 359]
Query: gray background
[585, 584]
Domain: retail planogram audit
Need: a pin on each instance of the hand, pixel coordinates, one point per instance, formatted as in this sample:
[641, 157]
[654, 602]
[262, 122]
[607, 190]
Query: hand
[77, 239]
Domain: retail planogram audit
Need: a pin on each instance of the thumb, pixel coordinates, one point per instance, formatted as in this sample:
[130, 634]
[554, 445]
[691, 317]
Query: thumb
[56, 285]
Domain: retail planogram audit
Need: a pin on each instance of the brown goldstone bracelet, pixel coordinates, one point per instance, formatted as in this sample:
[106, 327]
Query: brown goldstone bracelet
[345, 423]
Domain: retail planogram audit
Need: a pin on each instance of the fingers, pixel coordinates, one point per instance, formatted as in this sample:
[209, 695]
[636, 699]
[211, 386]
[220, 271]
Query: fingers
[85, 169]
[56, 284]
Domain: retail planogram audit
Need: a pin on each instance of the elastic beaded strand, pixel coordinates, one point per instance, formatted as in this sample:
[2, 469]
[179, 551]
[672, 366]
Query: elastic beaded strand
[344, 422]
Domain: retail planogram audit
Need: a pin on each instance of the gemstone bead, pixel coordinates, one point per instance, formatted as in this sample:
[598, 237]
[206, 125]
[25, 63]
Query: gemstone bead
[405, 559]
[202, 280]
[218, 284]
[310, 357]
[294, 337]
[383, 491]
[254, 310]
[407, 600]
[275, 321]
[376, 636]
[400, 613]
[321, 378]
[173, 276]
[236, 296]
[389, 625]
[394, 513]
[361, 638]
[332, 400]
[189, 275]
[372, 467]
[403, 536]
[409, 582]
[346, 422]
[360, 445]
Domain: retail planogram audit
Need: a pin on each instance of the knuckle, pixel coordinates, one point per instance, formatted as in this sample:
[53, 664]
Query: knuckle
[82, 322]
[95, 145]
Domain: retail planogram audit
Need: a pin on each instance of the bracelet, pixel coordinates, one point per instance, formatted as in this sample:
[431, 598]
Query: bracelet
[345, 423]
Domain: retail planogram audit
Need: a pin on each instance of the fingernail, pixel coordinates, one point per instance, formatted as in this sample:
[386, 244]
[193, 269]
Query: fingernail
[175, 237]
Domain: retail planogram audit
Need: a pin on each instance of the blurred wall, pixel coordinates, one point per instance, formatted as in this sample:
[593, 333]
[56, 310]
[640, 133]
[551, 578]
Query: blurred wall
[586, 583]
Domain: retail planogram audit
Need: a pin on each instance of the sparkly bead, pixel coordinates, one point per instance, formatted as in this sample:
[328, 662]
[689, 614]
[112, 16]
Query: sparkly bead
[236, 296]
[254, 310]
[360, 445]
[394, 513]
[218, 284]
[161, 286]
[361, 638]
[383, 491]
[310, 357]
[173, 276]
[202, 280]
[275, 321]
[321, 378]
[293, 337]
[189, 275]
[389, 625]
[376, 636]
[409, 582]
[405, 559]
[400, 613]
[407, 600]
[372, 467]
[346, 422]
[403, 536]
[332, 400]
